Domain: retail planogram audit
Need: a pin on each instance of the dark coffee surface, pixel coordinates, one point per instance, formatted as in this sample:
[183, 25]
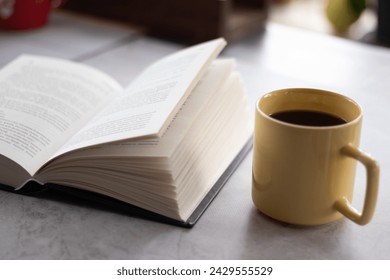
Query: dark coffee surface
[309, 118]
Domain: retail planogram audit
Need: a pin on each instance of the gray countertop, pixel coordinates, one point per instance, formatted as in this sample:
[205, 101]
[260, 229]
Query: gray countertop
[231, 228]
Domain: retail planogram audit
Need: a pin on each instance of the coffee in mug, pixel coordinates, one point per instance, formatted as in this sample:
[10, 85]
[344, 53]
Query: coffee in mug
[306, 117]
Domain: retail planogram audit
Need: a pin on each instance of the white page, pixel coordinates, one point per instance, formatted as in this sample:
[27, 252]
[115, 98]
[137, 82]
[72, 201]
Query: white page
[152, 100]
[206, 90]
[43, 102]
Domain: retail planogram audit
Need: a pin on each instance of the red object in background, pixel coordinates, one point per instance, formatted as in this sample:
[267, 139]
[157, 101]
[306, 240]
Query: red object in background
[25, 14]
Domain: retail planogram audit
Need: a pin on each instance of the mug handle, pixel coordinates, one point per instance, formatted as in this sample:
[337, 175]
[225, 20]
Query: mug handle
[372, 168]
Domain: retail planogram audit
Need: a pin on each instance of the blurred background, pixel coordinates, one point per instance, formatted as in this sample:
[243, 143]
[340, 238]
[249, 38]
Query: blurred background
[336, 17]
[199, 20]
[193, 21]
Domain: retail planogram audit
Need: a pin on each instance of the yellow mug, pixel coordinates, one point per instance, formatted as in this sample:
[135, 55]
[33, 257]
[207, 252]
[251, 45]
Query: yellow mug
[304, 157]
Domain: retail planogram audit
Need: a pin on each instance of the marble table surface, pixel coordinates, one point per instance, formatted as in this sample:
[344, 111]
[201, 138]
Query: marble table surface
[231, 228]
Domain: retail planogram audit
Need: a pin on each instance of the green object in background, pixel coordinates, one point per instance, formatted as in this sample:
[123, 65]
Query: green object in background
[343, 13]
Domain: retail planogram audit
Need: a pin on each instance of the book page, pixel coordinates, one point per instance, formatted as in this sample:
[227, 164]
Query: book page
[200, 98]
[43, 102]
[152, 100]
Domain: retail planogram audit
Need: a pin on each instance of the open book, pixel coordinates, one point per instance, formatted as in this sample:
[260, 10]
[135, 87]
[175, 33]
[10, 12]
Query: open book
[160, 144]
